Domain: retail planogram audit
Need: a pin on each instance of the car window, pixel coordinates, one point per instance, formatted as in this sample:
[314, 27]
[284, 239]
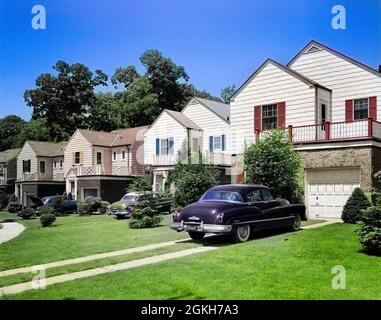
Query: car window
[266, 194]
[129, 197]
[222, 196]
[254, 196]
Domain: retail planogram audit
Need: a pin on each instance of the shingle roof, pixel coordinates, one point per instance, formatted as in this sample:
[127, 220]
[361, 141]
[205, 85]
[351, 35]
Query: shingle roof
[222, 109]
[183, 119]
[114, 138]
[9, 154]
[47, 149]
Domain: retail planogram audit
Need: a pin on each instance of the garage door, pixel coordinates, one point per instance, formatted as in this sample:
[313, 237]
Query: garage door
[90, 193]
[328, 190]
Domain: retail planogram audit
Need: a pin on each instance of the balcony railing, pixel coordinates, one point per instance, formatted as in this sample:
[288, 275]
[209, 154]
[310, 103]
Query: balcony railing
[38, 176]
[213, 158]
[332, 131]
[100, 170]
[218, 158]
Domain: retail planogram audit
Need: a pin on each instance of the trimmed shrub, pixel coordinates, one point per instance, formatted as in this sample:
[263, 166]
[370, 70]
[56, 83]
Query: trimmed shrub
[46, 210]
[370, 231]
[104, 207]
[356, 204]
[14, 207]
[83, 208]
[4, 199]
[376, 199]
[27, 213]
[47, 219]
[144, 215]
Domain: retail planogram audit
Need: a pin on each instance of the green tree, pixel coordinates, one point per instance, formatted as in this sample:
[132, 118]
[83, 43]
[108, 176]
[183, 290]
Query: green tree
[34, 130]
[191, 181]
[145, 215]
[228, 92]
[125, 76]
[66, 98]
[356, 203]
[10, 127]
[273, 162]
[103, 115]
[142, 183]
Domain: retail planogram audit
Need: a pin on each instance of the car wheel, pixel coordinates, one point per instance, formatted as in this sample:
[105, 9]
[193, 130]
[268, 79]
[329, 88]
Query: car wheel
[242, 233]
[297, 223]
[197, 235]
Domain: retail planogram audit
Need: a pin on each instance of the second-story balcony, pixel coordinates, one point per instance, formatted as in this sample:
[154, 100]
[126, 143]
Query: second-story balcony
[212, 158]
[101, 170]
[39, 176]
[332, 131]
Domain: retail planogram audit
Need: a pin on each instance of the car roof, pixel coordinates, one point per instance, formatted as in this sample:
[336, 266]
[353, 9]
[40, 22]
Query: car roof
[242, 189]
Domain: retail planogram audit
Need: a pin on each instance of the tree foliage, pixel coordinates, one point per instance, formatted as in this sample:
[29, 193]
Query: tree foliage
[354, 207]
[64, 99]
[144, 215]
[191, 181]
[228, 92]
[273, 162]
[142, 183]
[370, 231]
[10, 127]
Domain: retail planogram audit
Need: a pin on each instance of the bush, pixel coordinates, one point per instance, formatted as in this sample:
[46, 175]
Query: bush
[46, 210]
[47, 219]
[27, 213]
[142, 183]
[191, 181]
[104, 207]
[4, 199]
[370, 231]
[273, 162]
[376, 199]
[14, 207]
[90, 205]
[356, 204]
[144, 216]
[83, 208]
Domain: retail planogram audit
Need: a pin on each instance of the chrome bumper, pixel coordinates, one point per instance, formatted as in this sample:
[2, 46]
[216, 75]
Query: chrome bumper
[201, 227]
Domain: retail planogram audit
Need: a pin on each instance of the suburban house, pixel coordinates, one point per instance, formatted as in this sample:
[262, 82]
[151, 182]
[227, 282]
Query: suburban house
[202, 127]
[329, 104]
[8, 170]
[102, 164]
[40, 170]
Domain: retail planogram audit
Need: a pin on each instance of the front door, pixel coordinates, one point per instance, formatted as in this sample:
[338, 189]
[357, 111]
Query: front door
[322, 118]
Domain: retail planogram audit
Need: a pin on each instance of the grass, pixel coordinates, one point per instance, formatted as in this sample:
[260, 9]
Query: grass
[273, 266]
[75, 236]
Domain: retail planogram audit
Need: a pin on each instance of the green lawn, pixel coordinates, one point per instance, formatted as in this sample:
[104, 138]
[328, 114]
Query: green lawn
[75, 236]
[272, 266]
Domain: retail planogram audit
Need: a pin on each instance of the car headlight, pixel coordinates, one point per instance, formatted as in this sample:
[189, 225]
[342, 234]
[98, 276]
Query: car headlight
[220, 218]
[176, 216]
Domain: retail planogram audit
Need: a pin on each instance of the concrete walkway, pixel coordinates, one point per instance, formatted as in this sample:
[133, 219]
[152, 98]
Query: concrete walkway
[322, 224]
[10, 230]
[90, 258]
[21, 287]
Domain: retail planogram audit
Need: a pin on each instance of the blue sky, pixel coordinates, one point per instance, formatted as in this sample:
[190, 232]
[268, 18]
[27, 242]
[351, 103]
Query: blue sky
[219, 42]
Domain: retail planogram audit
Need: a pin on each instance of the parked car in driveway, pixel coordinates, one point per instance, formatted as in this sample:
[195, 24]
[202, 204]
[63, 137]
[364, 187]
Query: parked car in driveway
[124, 208]
[60, 204]
[237, 210]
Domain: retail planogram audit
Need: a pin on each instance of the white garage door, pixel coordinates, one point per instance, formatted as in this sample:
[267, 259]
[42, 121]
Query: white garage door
[328, 190]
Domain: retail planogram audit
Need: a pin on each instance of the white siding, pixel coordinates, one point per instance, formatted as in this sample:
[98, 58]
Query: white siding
[271, 85]
[78, 143]
[26, 153]
[164, 127]
[210, 123]
[346, 80]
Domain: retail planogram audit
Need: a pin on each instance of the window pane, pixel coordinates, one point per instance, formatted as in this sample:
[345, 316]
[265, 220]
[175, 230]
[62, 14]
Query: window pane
[266, 194]
[164, 147]
[360, 109]
[77, 157]
[99, 158]
[269, 117]
[217, 142]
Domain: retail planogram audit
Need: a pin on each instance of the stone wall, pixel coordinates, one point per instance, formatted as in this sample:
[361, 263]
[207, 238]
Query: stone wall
[360, 157]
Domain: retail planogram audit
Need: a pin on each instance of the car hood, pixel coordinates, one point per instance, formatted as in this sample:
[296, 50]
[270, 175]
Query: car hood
[205, 211]
[122, 204]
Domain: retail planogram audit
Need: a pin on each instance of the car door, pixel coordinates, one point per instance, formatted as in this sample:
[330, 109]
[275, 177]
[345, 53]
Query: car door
[255, 202]
[275, 211]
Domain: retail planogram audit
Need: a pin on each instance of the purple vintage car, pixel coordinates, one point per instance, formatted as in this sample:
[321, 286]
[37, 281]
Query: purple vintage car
[238, 210]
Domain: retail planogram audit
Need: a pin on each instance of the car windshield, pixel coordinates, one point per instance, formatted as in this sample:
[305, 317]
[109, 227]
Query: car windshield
[222, 196]
[129, 198]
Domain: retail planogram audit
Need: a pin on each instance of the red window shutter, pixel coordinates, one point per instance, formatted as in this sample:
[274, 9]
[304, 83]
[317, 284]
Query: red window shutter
[257, 118]
[281, 114]
[373, 108]
[348, 110]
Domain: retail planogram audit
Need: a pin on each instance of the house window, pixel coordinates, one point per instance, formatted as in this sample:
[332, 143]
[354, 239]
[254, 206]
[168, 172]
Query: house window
[323, 113]
[123, 155]
[61, 163]
[217, 143]
[42, 166]
[269, 117]
[26, 166]
[114, 156]
[99, 157]
[164, 147]
[55, 164]
[360, 109]
[77, 159]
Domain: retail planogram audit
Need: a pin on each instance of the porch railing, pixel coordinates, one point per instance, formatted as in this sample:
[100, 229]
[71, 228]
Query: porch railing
[101, 170]
[331, 131]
